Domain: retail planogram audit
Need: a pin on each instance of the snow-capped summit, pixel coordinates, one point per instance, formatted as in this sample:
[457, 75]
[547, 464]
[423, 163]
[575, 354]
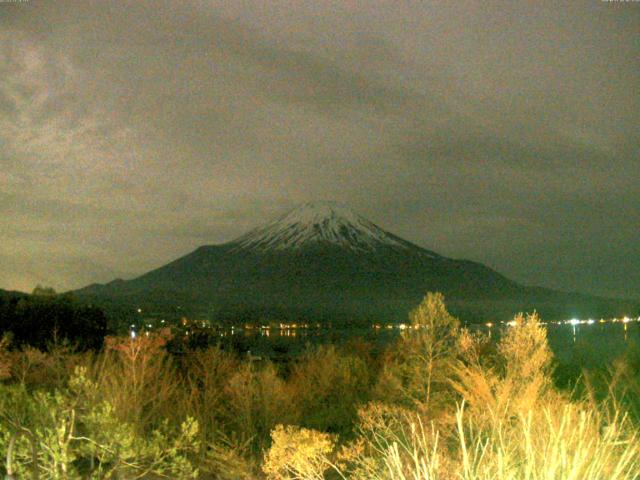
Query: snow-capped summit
[322, 262]
[318, 222]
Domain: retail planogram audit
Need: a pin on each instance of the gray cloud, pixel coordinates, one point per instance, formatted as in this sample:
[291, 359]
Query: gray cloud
[132, 132]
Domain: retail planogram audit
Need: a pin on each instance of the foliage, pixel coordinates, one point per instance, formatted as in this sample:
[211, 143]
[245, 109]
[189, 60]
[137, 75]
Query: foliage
[229, 460]
[441, 403]
[515, 380]
[563, 441]
[79, 436]
[329, 385]
[5, 359]
[45, 318]
[389, 437]
[257, 399]
[206, 374]
[617, 385]
[298, 453]
[137, 376]
[516, 426]
[417, 374]
[556, 440]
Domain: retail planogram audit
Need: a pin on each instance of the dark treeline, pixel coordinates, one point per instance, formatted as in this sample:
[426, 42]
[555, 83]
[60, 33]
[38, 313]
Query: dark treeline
[44, 317]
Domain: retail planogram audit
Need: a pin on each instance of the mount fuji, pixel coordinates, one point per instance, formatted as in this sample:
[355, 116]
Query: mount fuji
[323, 262]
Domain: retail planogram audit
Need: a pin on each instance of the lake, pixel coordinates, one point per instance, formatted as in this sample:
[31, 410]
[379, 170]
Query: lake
[583, 343]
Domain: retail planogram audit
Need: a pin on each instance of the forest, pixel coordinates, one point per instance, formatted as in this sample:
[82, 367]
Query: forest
[440, 402]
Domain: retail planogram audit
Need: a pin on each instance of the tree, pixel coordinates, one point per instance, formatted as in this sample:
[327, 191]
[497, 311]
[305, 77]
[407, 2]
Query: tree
[41, 291]
[420, 368]
[40, 319]
[435, 339]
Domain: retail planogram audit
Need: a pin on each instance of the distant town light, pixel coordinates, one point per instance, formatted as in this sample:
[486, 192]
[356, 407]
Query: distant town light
[574, 321]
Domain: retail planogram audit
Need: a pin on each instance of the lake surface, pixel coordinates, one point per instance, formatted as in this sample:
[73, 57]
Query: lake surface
[583, 344]
[590, 345]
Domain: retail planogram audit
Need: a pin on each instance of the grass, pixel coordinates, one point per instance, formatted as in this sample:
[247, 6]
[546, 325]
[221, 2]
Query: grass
[440, 403]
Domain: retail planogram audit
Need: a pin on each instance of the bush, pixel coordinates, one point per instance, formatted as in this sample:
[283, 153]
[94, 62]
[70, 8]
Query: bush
[256, 400]
[328, 386]
[78, 435]
[515, 381]
[298, 453]
[557, 440]
[138, 377]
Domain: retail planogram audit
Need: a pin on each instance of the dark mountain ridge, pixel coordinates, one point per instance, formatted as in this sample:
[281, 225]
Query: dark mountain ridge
[322, 261]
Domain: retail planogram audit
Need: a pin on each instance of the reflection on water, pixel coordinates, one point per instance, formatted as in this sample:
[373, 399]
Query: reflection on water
[573, 342]
[593, 344]
[285, 343]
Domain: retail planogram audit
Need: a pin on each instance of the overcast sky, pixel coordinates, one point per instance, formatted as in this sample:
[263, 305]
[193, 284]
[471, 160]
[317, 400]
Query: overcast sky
[502, 132]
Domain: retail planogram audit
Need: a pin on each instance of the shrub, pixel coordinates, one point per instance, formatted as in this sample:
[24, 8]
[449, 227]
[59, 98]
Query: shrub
[617, 385]
[5, 359]
[206, 374]
[256, 400]
[298, 453]
[138, 377]
[80, 436]
[391, 443]
[449, 405]
[559, 440]
[328, 386]
[513, 382]
[565, 441]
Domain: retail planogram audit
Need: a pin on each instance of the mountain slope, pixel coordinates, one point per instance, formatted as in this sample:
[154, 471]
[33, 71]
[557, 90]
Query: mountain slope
[323, 261]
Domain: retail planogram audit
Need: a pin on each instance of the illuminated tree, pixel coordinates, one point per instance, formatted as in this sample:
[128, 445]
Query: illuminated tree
[419, 372]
